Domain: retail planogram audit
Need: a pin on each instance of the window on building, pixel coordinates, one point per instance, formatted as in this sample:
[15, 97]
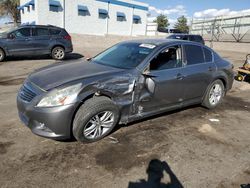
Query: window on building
[194, 54]
[103, 14]
[121, 17]
[40, 32]
[28, 8]
[136, 19]
[54, 6]
[83, 11]
[32, 3]
[22, 11]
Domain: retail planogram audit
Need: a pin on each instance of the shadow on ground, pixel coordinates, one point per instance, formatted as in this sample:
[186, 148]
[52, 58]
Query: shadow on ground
[70, 56]
[155, 171]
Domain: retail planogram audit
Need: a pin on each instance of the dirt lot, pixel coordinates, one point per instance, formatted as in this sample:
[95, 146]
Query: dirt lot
[199, 152]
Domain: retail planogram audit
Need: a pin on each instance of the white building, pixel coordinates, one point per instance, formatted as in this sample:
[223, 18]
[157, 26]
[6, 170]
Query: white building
[95, 17]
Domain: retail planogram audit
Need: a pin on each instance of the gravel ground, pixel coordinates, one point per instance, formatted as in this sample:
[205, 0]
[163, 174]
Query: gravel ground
[196, 151]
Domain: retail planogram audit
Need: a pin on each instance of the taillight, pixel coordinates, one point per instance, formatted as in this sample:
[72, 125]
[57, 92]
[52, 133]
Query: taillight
[67, 37]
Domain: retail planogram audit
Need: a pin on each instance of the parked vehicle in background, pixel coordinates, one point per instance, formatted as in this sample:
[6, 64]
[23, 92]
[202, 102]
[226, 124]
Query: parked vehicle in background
[35, 40]
[194, 38]
[129, 81]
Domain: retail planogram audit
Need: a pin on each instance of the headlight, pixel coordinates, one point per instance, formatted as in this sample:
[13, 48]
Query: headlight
[61, 97]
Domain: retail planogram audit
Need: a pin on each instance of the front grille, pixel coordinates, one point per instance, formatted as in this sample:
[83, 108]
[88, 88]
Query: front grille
[26, 93]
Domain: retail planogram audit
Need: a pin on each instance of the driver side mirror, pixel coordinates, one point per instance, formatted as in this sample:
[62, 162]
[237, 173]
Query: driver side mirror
[11, 36]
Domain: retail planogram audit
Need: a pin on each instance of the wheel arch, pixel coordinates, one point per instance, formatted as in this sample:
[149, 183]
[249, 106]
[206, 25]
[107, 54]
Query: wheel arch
[223, 79]
[57, 45]
[82, 100]
[4, 51]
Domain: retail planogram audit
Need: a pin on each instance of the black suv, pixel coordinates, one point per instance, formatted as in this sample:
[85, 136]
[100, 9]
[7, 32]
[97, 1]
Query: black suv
[194, 38]
[35, 40]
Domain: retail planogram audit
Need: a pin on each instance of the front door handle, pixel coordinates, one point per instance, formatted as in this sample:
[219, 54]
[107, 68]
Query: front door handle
[179, 76]
[210, 69]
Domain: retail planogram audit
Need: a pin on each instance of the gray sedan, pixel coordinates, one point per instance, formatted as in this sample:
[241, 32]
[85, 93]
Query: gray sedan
[129, 81]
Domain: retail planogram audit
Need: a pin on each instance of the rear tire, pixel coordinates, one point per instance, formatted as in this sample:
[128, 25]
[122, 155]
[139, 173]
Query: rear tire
[95, 119]
[58, 53]
[214, 94]
[2, 56]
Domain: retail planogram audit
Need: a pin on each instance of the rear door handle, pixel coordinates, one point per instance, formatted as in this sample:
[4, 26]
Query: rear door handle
[179, 76]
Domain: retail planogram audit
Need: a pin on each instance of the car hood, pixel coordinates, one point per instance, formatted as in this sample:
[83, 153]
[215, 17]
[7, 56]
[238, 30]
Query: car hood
[53, 76]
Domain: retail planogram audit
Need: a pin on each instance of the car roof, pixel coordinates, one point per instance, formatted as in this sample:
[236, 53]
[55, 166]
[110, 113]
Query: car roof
[45, 26]
[183, 34]
[160, 42]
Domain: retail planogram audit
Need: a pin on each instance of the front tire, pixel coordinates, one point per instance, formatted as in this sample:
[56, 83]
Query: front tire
[214, 94]
[58, 53]
[2, 56]
[95, 119]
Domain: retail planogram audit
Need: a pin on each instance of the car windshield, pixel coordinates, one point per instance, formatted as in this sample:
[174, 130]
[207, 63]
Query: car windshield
[124, 56]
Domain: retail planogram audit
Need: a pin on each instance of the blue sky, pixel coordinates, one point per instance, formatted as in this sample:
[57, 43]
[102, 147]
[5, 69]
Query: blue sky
[197, 8]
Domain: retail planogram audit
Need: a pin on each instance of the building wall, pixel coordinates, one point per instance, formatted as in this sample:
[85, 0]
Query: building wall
[28, 16]
[90, 24]
[45, 16]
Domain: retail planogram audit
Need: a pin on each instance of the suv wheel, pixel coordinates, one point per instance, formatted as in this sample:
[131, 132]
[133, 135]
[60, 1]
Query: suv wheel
[95, 119]
[214, 94]
[58, 53]
[2, 55]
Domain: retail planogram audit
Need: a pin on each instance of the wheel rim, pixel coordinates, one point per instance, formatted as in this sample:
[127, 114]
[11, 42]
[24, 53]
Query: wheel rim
[99, 125]
[58, 53]
[215, 94]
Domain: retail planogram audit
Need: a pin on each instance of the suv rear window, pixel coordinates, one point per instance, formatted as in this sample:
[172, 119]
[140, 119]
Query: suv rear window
[40, 32]
[55, 31]
[194, 54]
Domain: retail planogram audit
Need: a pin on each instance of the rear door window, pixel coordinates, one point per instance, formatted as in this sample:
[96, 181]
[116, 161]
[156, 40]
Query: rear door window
[194, 54]
[208, 55]
[40, 32]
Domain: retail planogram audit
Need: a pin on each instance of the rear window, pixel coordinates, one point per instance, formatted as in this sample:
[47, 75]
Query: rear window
[55, 31]
[198, 38]
[208, 55]
[175, 37]
[194, 54]
[40, 32]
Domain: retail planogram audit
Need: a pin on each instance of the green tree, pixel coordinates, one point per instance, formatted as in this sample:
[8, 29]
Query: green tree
[9, 7]
[162, 21]
[181, 24]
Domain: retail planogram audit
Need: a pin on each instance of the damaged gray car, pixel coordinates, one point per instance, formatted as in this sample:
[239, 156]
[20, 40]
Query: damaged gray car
[127, 82]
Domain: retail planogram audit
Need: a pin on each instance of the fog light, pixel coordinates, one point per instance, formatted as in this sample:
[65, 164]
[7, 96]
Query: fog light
[41, 126]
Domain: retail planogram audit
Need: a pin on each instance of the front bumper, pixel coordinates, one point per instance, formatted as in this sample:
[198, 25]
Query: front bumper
[53, 122]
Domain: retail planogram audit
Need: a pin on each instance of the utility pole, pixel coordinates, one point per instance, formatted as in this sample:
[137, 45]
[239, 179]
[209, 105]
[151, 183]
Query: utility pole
[64, 14]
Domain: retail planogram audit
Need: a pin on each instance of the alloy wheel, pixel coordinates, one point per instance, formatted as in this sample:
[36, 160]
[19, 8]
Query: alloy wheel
[215, 94]
[59, 54]
[98, 125]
